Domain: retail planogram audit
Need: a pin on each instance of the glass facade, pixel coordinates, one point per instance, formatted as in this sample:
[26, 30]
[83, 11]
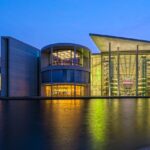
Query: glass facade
[124, 68]
[122, 73]
[96, 74]
[65, 70]
[62, 76]
[64, 90]
[120, 79]
[65, 76]
[144, 74]
[64, 57]
[119, 70]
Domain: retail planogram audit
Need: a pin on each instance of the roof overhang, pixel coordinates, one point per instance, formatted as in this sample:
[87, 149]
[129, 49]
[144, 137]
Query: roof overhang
[64, 46]
[121, 43]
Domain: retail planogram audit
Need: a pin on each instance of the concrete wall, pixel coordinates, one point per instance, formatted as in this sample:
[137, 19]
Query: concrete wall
[20, 68]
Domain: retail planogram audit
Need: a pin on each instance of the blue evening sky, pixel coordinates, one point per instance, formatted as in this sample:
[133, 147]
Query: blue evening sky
[42, 22]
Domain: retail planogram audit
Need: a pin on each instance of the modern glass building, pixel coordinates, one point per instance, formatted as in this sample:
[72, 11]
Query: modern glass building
[122, 68]
[65, 70]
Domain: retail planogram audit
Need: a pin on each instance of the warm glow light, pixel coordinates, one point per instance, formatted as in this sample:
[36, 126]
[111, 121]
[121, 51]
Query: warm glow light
[64, 90]
[96, 75]
[65, 117]
[121, 78]
[67, 57]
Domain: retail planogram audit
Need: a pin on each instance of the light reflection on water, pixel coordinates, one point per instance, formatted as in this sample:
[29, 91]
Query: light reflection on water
[63, 117]
[75, 124]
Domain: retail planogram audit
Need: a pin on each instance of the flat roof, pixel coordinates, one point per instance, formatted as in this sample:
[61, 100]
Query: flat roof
[124, 44]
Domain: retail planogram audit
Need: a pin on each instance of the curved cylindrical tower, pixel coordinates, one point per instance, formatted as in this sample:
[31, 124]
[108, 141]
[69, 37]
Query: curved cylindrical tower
[65, 70]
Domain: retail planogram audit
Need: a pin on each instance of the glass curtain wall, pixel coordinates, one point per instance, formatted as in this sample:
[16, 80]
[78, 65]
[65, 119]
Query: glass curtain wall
[105, 74]
[70, 74]
[77, 57]
[60, 57]
[64, 90]
[114, 75]
[144, 74]
[126, 73]
[120, 79]
[67, 57]
[96, 75]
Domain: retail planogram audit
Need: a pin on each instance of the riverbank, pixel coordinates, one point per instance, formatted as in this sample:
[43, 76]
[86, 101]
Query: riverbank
[54, 98]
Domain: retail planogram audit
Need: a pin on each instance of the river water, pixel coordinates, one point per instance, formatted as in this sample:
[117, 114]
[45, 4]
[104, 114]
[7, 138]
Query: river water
[75, 124]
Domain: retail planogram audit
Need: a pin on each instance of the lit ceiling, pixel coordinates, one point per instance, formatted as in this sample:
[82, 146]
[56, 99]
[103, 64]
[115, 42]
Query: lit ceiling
[124, 44]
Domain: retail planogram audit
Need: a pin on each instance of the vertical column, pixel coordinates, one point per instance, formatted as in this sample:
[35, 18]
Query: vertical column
[137, 70]
[146, 78]
[101, 74]
[118, 70]
[144, 75]
[82, 58]
[74, 72]
[51, 71]
[89, 67]
[71, 57]
[57, 62]
[51, 56]
[109, 69]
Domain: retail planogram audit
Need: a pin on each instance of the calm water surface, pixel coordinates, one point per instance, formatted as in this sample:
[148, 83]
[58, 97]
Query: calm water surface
[75, 124]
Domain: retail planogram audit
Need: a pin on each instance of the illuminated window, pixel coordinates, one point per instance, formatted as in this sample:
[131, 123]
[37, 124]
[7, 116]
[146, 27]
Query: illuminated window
[68, 57]
[64, 90]
[63, 57]
[96, 75]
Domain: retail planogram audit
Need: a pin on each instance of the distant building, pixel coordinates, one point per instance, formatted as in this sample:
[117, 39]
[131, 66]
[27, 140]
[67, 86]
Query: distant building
[122, 68]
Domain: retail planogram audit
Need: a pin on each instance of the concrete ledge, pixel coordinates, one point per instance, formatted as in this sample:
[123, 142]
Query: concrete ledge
[73, 98]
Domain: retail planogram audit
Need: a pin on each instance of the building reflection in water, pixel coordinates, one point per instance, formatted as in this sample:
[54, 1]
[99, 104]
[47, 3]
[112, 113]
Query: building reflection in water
[143, 116]
[62, 119]
[75, 124]
[97, 115]
[1, 122]
[118, 124]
